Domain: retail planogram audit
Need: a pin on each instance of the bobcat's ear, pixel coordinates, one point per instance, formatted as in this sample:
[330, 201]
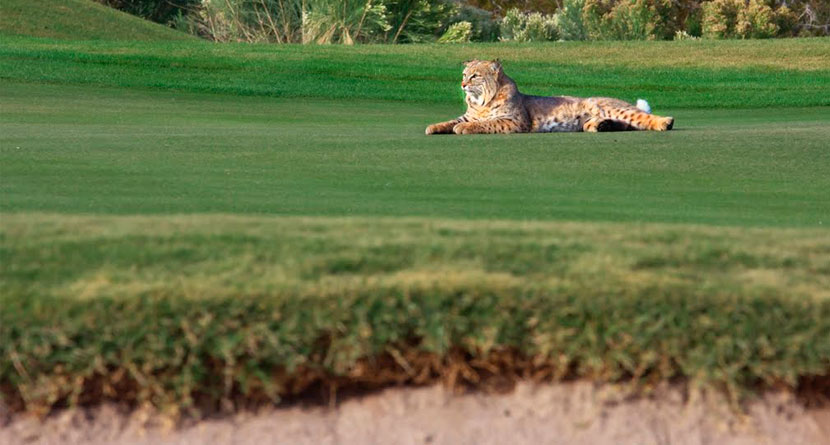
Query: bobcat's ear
[495, 66]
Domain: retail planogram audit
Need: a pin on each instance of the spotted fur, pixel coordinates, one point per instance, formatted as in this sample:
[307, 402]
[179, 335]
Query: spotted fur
[495, 105]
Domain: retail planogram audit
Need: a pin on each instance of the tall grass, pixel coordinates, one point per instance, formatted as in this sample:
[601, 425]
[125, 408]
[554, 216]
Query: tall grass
[321, 21]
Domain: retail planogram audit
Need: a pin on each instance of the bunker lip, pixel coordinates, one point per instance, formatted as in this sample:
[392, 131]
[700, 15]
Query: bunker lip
[578, 412]
[500, 371]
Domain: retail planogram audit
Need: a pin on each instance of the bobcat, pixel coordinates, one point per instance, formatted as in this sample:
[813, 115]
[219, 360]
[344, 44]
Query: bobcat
[495, 105]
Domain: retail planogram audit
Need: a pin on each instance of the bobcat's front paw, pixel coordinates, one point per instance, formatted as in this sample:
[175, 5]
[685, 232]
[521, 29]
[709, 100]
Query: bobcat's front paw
[432, 129]
[463, 128]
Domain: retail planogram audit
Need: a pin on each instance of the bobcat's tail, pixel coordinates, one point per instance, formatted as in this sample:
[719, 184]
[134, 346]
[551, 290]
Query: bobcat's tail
[643, 105]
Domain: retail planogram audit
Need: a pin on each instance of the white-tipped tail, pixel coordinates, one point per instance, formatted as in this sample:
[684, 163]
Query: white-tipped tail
[643, 105]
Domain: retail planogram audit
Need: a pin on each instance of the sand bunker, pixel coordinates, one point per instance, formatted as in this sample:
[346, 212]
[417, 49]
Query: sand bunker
[572, 413]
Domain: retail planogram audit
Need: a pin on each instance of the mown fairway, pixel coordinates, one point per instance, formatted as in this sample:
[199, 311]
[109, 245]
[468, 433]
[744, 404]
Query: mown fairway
[84, 149]
[226, 221]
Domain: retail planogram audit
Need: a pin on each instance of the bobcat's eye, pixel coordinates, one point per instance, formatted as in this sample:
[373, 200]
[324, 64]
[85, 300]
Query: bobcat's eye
[473, 76]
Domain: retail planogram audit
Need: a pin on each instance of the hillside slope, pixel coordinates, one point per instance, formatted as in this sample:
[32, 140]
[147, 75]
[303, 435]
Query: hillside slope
[78, 19]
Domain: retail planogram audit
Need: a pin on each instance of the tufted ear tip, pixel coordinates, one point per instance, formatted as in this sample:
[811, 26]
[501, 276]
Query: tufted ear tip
[495, 65]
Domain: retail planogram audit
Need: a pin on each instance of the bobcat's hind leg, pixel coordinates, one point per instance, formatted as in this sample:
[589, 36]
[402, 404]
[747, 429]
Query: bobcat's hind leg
[667, 123]
[640, 120]
[598, 124]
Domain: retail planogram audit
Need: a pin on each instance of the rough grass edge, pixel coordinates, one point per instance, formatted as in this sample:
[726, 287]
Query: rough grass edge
[194, 356]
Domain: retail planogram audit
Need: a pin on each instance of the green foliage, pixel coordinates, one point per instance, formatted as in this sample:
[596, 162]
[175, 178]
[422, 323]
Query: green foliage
[628, 19]
[528, 27]
[457, 33]
[745, 19]
[323, 21]
[344, 21]
[290, 21]
[416, 21]
[569, 20]
[485, 25]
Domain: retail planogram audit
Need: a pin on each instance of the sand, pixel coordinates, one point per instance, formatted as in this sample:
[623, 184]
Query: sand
[564, 413]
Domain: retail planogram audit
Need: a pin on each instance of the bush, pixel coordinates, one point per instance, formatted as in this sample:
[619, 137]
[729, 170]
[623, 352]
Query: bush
[457, 33]
[630, 19]
[569, 20]
[745, 19]
[277, 21]
[634, 20]
[485, 27]
[321, 21]
[414, 21]
[344, 21]
[533, 27]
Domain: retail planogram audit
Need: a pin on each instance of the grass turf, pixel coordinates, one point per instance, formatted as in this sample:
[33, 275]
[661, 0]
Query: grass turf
[83, 149]
[705, 74]
[78, 19]
[210, 306]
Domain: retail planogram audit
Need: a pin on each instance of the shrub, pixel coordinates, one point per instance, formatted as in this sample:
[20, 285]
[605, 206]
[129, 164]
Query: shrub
[629, 19]
[745, 19]
[692, 22]
[247, 20]
[569, 20]
[344, 21]
[414, 21]
[485, 27]
[321, 21]
[633, 20]
[533, 27]
[756, 20]
[457, 33]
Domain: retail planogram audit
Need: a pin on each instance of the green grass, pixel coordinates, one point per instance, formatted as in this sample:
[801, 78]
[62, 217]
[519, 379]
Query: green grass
[92, 150]
[77, 19]
[186, 224]
[706, 75]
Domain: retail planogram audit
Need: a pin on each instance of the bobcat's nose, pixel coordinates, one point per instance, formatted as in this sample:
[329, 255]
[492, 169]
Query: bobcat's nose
[464, 84]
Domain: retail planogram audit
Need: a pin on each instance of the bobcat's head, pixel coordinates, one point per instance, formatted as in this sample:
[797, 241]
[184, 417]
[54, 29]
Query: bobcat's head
[481, 80]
